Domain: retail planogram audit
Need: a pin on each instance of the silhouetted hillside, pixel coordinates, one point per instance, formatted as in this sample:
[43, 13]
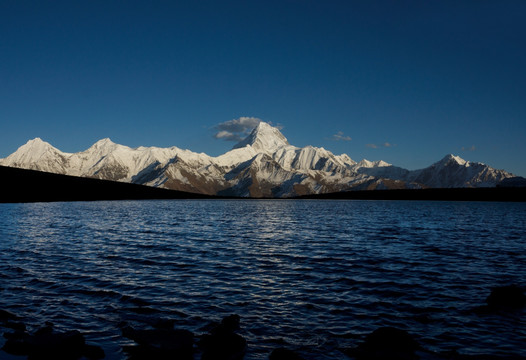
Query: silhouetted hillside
[20, 185]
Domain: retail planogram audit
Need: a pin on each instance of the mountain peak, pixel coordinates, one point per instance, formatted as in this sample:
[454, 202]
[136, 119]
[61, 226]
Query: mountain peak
[450, 158]
[36, 145]
[105, 141]
[103, 144]
[32, 151]
[264, 138]
[36, 141]
[372, 164]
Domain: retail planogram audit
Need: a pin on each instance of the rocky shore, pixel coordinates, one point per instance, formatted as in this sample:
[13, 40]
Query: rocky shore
[222, 341]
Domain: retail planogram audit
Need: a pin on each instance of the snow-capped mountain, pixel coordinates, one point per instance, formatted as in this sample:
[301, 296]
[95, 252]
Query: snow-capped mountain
[454, 172]
[264, 164]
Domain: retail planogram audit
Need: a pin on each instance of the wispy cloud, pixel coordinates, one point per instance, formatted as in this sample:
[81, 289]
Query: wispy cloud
[339, 136]
[471, 148]
[235, 129]
[376, 146]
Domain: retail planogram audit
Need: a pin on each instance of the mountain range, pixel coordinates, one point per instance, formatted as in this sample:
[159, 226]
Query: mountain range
[263, 164]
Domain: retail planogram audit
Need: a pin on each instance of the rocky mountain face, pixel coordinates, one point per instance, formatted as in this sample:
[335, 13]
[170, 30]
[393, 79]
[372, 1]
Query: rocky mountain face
[262, 165]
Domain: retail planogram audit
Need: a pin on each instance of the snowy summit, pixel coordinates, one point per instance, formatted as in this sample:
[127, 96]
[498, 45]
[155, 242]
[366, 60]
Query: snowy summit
[264, 138]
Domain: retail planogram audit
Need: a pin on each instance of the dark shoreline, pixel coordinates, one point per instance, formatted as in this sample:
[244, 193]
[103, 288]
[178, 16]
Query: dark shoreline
[503, 194]
[22, 186]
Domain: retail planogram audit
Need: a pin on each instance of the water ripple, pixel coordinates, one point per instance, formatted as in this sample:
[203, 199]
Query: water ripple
[312, 275]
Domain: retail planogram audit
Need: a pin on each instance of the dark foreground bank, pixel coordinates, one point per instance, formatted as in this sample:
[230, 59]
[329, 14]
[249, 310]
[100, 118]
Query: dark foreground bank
[223, 341]
[21, 185]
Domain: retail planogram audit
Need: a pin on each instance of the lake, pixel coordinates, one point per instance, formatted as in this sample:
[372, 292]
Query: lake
[311, 276]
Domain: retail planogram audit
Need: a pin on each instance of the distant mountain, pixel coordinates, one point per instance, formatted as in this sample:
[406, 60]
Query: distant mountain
[264, 164]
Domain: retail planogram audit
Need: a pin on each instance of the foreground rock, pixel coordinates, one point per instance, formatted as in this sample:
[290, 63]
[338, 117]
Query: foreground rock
[11, 321]
[386, 343]
[222, 343]
[164, 343]
[6, 316]
[284, 354]
[45, 343]
[506, 298]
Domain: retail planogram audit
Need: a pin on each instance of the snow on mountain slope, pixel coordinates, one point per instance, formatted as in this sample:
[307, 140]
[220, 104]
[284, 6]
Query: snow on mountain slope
[453, 171]
[310, 158]
[264, 138]
[39, 155]
[104, 159]
[264, 164]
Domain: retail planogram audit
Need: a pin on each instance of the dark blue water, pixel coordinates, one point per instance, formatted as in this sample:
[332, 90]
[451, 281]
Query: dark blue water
[313, 276]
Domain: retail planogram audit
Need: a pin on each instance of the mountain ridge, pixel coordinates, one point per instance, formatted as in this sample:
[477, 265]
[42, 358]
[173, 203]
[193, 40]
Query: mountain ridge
[264, 164]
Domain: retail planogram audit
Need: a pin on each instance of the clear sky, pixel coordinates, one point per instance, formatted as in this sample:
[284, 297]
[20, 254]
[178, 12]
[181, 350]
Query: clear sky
[402, 81]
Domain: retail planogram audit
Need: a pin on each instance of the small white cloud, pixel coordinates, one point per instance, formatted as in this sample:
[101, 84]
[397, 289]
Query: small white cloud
[236, 129]
[471, 148]
[339, 136]
[226, 135]
[385, 144]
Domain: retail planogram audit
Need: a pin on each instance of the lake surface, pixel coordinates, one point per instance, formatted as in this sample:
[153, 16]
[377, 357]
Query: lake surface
[312, 276]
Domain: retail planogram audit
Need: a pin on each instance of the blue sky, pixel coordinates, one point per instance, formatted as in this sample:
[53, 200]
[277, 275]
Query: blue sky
[403, 81]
